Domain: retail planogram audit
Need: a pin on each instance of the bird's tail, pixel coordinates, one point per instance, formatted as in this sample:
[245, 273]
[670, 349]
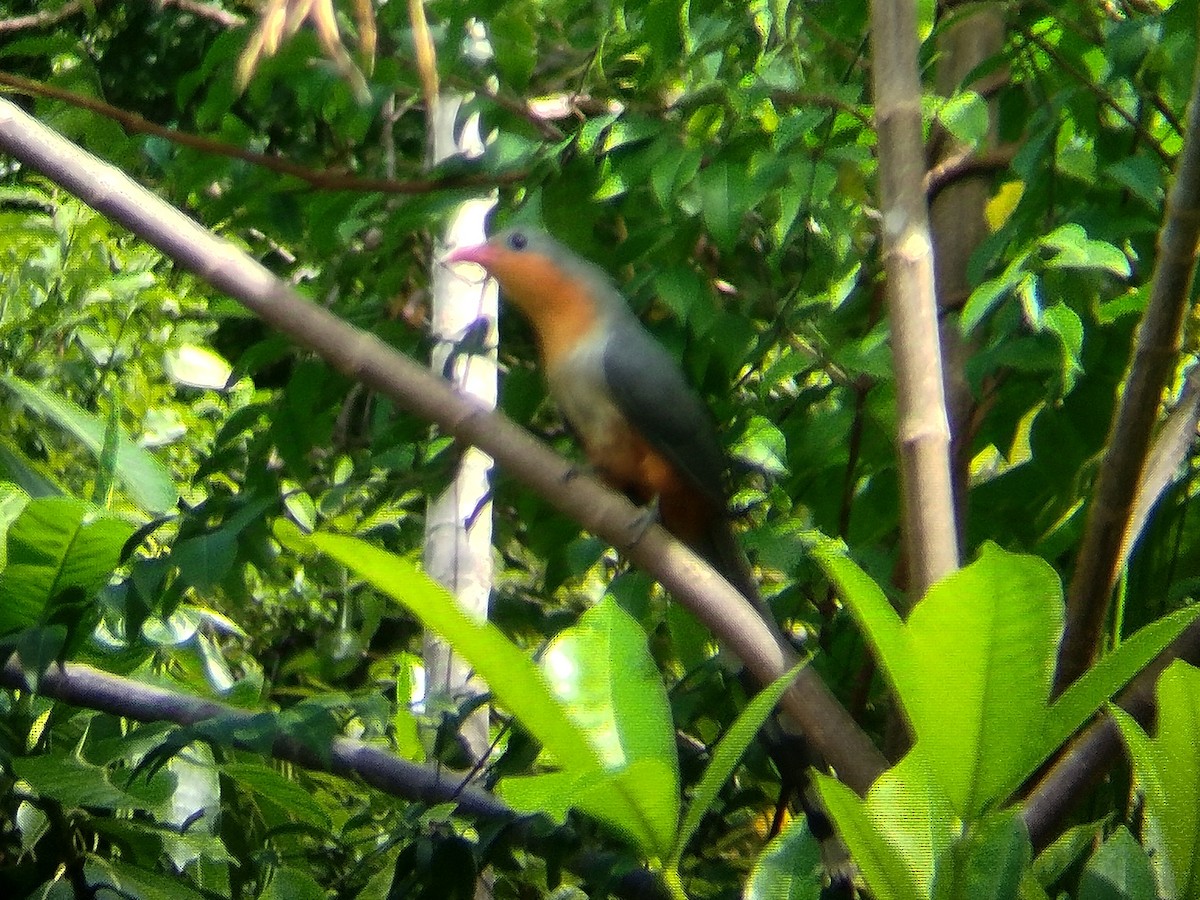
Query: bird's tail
[790, 751]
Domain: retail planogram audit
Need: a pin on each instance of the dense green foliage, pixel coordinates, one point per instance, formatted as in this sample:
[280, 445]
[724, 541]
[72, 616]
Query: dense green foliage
[160, 445]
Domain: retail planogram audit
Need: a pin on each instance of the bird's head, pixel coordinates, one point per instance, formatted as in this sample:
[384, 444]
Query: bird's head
[537, 274]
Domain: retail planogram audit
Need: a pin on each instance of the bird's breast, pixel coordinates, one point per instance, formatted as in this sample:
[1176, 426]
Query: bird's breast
[577, 384]
[625, 457]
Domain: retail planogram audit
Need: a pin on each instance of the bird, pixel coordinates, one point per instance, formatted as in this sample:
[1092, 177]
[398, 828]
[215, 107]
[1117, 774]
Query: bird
[643, 428]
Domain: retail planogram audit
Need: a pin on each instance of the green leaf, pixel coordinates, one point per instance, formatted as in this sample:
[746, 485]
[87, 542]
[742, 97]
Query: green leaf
[897, 833]
[789, 868]
[102, 492]
[728, 751]
[56, 545]
[146, 480]
[1079, 702]
[1063, 322]
[1119, 870]
[114, 876]
[965, 116]
[75, 783]
[204, 560]
[635, 801]
[513, 678]
[983, 647]
[195, 366]
[290, 883]
[672, 172]
[1029, 291]
[682, 289]
[13, 501]
[871, 609]
[997, 857]
[405, 729]
[763, 446]
[989, 293]
[1071, 248]
[1168, 774]
[291, 798]
[982, 301]
[36, 480]
[38, 649]
[726, 196]
[602, 674]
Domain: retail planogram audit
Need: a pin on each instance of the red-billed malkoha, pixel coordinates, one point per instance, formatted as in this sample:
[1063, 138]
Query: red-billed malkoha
[642, 427]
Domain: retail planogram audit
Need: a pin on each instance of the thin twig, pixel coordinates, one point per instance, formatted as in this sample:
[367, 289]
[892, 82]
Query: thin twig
[45, 18]
[322, 180]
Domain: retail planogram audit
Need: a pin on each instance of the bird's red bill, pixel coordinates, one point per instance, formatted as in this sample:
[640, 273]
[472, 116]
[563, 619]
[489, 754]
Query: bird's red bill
[480, 254]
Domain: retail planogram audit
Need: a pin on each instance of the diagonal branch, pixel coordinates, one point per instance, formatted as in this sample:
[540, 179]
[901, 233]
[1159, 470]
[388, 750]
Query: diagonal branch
[1155, 354]
[363, 356]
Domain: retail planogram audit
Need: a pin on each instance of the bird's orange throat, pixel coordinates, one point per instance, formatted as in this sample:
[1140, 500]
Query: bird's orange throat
[560, 309]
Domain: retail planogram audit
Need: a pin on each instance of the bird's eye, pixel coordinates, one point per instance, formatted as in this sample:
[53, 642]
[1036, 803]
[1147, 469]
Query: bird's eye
[518, 241]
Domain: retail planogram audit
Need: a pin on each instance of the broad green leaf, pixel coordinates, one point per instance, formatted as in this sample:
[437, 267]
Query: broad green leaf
[871, 609]
[996, 859]
[630, 800]
[1064, 323]
[1119, 870]
[13, 501]
[1088, 693]
[884, 867]
[1167, 772]
[195, 366]
[602, 674]
[513, 678]
[514, 41]
[965, 115]
[728, 751]
[204, 560]
[291, 798]
[986, 297]
[763, 446]
[1070, 847]
[122, 879]
[635, 800]
[33, 478]
[37, 649]
[292, 883]
[982, 651]
[674, 171]
[909, 809]
[405, 729]
[682, 289]
[56, 544]
[145, 479]
[726, 196]
[1071, 248]
[74, 783]
[553, 794]
[789, 868]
